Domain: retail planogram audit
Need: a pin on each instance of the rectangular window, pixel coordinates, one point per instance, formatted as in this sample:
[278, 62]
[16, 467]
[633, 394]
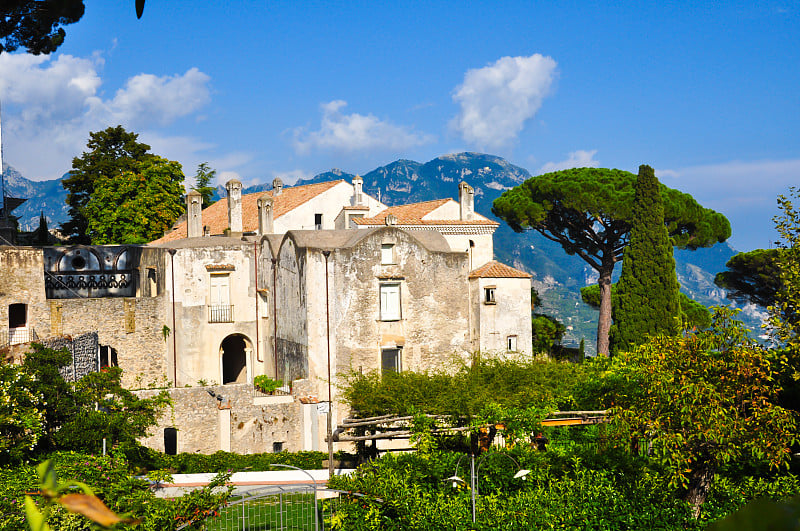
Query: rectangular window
[220, 309]
[318, 221]
[488, 295]
[152, 281]
[391, 360]
[390, 302]
[511, 343]
[387, 253]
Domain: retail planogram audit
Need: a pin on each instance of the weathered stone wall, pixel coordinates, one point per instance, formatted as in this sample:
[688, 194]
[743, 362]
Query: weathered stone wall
[434, 303]
[292, 319]
[133, 327]
[22, 282]
[84, 355]
[251, 424]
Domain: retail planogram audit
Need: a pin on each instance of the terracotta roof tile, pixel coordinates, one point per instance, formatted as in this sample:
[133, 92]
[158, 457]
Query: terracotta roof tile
[215, 217]
[495, 269]
[412, 215]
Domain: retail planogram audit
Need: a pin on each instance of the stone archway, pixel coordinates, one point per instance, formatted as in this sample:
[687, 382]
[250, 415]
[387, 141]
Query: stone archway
[234, 359]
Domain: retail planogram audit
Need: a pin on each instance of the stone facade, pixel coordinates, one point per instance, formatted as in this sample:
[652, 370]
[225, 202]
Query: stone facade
[205, 315]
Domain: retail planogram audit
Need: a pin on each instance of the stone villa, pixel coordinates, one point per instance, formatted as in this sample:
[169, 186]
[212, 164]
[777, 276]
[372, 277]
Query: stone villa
[300, 283]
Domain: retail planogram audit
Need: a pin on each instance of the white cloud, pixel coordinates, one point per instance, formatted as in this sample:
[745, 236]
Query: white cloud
[51, 103]
[576, 159]
[745, 191]
[498, 99]
[355, 132]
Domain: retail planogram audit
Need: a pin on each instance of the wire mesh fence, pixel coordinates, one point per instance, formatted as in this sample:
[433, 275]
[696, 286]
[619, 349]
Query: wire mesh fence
[277, 507]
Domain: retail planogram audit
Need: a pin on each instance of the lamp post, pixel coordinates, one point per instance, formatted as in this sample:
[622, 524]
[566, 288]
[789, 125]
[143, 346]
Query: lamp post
[473, 473]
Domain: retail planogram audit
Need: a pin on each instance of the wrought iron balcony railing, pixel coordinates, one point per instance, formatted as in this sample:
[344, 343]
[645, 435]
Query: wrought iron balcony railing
[220, 313]
[15, 336]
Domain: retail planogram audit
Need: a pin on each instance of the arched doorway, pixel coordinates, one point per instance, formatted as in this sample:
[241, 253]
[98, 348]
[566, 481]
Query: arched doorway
[234, 353]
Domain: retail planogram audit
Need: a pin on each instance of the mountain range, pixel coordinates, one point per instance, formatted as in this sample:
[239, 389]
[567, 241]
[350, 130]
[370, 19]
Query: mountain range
[557, 276]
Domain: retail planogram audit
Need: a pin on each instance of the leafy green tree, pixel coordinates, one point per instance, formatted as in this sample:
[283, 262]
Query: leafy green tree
[36, 24]
[703, 400]
[111, 153]
[137, 206]
[785, 313]
[694, 315]
[547, 331]
[22, 413]
[204, 176]
[647, 291]
[589, 211]
[753, 276]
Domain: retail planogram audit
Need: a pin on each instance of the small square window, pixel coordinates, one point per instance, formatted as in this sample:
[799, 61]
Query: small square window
[390, 302]
[488, 295]
[277, 447]
[387, 253]
[511, 343]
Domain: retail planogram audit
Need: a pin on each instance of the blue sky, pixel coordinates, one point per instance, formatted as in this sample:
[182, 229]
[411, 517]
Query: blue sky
[707, 95]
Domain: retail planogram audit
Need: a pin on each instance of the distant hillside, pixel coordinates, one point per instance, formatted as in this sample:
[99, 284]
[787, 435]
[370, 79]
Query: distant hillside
[42, 196]
[557, 276]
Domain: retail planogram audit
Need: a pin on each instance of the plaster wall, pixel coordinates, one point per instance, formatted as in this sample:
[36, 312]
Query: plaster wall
[329, 204]
[509, 316]
[198, 341]
[292, 321]
[435, 309]
[481, 253]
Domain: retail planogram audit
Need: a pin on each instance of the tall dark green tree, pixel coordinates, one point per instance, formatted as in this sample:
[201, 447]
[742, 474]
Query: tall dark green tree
[648, 289]
[589, 210]
[111, 153]
[204, 176]
[41, 236]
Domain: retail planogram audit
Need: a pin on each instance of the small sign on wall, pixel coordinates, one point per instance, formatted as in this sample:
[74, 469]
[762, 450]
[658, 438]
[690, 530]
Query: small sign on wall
[130, 316]
[323, 408]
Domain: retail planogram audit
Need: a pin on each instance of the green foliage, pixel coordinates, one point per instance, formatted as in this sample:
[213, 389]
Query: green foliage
[785, 313]
[36, 25]
[204, 176]
[468, 393]
[41, 236]
[70, 416]
[265, 384]
[647, 291]
[22, 413]
[588, 211]
[753, 276]
[694, 315]
[703, 400]
[547, 332]
[137, 206]
[111, 153]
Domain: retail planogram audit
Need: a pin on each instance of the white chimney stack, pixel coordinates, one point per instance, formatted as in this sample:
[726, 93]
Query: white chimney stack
[234, 188]
[265, 215]
[194, 215]
[277, 186]
[466, 201]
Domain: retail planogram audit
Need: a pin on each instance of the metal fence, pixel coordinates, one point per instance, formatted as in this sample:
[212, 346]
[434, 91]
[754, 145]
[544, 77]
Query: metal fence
[277, 507]
[222, 313]
[15, 336]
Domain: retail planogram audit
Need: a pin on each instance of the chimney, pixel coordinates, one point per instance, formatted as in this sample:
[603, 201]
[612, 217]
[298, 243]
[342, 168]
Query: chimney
[466, 201]
[234, 188]
[265, 215]
[194, 216]
[358, 191]
[277, 186]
